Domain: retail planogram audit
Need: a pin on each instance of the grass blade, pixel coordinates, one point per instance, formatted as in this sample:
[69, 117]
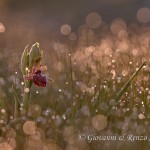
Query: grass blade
[119, 94]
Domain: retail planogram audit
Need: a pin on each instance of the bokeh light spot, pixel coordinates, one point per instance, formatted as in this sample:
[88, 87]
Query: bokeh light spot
[29, 127]
[93, 20]
[99, 122]
[143, 15]
[2, 28]
[65, 29]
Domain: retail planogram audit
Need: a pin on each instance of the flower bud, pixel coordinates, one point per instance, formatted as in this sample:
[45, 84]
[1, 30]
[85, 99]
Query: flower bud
[25, 60]
[35, 55]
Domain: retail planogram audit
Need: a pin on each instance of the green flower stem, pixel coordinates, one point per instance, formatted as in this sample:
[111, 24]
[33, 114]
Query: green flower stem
[27, 95]
[26, 99]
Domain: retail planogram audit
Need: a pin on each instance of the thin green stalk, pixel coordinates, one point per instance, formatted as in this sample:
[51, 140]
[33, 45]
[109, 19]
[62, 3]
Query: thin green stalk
[15, 109]
[26, 100]
[71, 74]
[119, 94]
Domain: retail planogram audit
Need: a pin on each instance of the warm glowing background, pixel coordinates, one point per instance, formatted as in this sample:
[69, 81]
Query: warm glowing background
[27, 21]
[91, 48]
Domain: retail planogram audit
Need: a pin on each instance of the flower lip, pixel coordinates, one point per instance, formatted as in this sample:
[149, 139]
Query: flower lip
[38, 72]
[37, 77]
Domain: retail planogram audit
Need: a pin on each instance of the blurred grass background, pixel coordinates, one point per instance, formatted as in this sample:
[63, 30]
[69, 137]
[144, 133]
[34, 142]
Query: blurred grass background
[89, 60]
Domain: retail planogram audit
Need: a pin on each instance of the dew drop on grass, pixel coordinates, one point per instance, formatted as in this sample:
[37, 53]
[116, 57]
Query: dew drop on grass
[134, 115]
[99, 122]
[112, 102]
[64, 117]
[27, 90]
[122, 34]
[85, 110]
[140, 130]
[53, 117]
[135, 109]
[76, 144]
[143, 15]
[141, 116]
[2, 28]
[34, 111]
[11, 133]
[33, 144]
[52, 146]
[118, 25]
[3, 111]
[5, 146]
[68, 132]
[93, 20]
[65, 29]
[1, 121]
[36, 136]
[72, 36]
[58, 120]
[12, 142]
[29, 127]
